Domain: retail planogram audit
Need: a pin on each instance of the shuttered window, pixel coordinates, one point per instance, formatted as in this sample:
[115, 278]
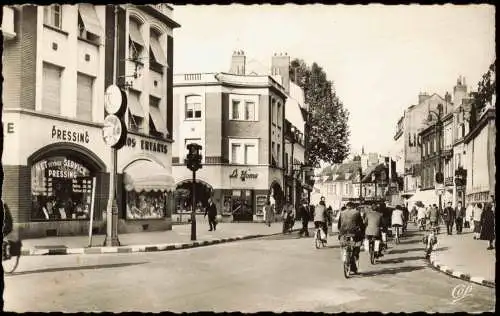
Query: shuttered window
[84, 97]
[51, 91]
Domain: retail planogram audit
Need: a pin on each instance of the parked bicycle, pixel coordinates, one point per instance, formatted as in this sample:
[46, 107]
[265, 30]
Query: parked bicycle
[348, 258]
[11, 253]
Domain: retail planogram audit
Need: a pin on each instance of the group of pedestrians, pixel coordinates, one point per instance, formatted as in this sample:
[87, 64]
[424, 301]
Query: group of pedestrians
[478, 217]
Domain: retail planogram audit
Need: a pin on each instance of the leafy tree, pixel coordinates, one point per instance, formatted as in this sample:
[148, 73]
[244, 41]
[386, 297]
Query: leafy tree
[329, 133]
[484, 94]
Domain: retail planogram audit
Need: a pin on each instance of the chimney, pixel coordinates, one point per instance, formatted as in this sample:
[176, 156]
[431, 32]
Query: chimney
[422, 97]
[280, 66]
[238, 63]
[447, 97]
[459, 91]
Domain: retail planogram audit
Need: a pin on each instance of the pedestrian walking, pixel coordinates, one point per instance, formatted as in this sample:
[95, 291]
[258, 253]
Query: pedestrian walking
[268, 212]
[476, 216]
[211, 210]
[434, 216]
[459, 217]
[449, 217]
[488, 225]
[304, 213]
[288, 219]
[468, 222]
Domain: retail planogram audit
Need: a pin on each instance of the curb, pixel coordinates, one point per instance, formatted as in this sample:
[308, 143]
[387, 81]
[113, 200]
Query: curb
[459, 275]
[136, 248]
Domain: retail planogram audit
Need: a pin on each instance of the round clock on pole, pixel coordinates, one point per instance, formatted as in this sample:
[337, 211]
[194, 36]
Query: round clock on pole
[115, 100]
[114, 131]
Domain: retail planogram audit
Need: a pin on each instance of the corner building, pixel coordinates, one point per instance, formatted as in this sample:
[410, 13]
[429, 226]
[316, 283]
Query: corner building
[59, 59]
[238, 119]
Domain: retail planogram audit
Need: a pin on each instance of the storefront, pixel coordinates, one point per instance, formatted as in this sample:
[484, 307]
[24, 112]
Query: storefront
[56, 176]
[239, 192]
[480, 165]
[146, 186]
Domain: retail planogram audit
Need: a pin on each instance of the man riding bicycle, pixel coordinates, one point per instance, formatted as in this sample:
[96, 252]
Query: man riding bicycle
[351, 223]
[321, 218]
[374, 225]
[397, 219]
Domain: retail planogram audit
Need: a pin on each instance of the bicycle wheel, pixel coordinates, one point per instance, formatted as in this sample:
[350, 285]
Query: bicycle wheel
[10, 265]
[372, 254]
[317, 240]
[347, 264]
[396, 239]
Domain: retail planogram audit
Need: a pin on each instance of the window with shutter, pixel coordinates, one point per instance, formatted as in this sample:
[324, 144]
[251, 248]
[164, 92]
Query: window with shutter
[51, 89]
[84, 97]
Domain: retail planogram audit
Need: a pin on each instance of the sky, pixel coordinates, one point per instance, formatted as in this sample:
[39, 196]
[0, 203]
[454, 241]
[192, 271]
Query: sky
[379, 57]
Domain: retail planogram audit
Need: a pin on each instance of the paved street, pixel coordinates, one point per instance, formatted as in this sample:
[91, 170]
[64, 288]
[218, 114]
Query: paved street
[278, 273]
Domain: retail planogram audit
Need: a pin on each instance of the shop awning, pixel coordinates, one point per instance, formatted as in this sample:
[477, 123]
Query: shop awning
[89, 18]
[158, 53]
[144, 175]
[429, 197]
[135, 34]
[134, 105]
[158, 121]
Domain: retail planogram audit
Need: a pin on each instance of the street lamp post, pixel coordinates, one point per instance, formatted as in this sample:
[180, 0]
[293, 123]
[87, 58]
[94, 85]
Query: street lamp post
[360, 185]
[193, 163]
[439, 175]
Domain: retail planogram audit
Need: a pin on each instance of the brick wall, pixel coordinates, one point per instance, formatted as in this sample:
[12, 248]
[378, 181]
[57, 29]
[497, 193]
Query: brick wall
[19, 60]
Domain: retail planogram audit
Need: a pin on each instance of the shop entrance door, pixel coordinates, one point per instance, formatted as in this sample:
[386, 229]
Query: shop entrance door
[242, 206]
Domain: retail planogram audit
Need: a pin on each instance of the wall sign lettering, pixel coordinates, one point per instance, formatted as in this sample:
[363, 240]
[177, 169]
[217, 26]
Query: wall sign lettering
[70, 136]
[8, 127]
[243, 175]
[147, 145]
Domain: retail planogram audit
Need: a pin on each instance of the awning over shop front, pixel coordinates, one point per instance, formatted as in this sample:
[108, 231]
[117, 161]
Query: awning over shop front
[429, 197]
[145, 175]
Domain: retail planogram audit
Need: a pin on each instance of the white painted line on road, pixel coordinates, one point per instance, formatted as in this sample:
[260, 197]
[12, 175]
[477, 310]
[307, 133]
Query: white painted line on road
[457, 274]
[178, 246]
[138, 248]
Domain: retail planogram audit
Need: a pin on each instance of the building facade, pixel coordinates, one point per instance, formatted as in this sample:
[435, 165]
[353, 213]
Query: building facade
[238, 120]
[59, 60]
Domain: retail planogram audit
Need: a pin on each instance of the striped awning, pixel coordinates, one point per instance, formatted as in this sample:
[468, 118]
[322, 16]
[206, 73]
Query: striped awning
[145, 175]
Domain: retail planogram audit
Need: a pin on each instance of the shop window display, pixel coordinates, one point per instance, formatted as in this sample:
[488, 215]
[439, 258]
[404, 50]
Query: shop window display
[145, 205]
[61, 189]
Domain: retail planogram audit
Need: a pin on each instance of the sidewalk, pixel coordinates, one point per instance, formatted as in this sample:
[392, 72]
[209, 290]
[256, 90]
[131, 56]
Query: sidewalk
[463, 257]
[177, 238]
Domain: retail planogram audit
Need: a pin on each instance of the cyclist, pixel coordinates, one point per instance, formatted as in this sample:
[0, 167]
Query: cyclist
[374, 224]
[397, 219]
[350, 222]
[321, 218]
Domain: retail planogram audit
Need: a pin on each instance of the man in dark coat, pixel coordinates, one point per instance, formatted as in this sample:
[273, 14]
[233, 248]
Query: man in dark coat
[211, 210]
[7, 220]
[304, 214]
[449, 217]
[351, 222]
[459, 217]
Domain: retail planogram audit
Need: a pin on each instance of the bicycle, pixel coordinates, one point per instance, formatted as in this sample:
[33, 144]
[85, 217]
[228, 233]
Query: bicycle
[374, 248]
[318, 241]
[430, 241]
[11, 250]
[348, 259]
[396, 237]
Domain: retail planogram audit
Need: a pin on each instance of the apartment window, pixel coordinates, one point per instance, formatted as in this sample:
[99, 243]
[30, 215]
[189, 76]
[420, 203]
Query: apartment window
[157, 57]
[136, 113]
[249, 111]
[278, 154]
[193, 107]
[89, 27]
[157, 125]
[84, 96]
[250, 154]
[273, 111]
[136, 42]
[278, 114]
[52, 15]
[286, 161]
[236, 110]
[235, 152]
[273, 153]
[51, 86]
